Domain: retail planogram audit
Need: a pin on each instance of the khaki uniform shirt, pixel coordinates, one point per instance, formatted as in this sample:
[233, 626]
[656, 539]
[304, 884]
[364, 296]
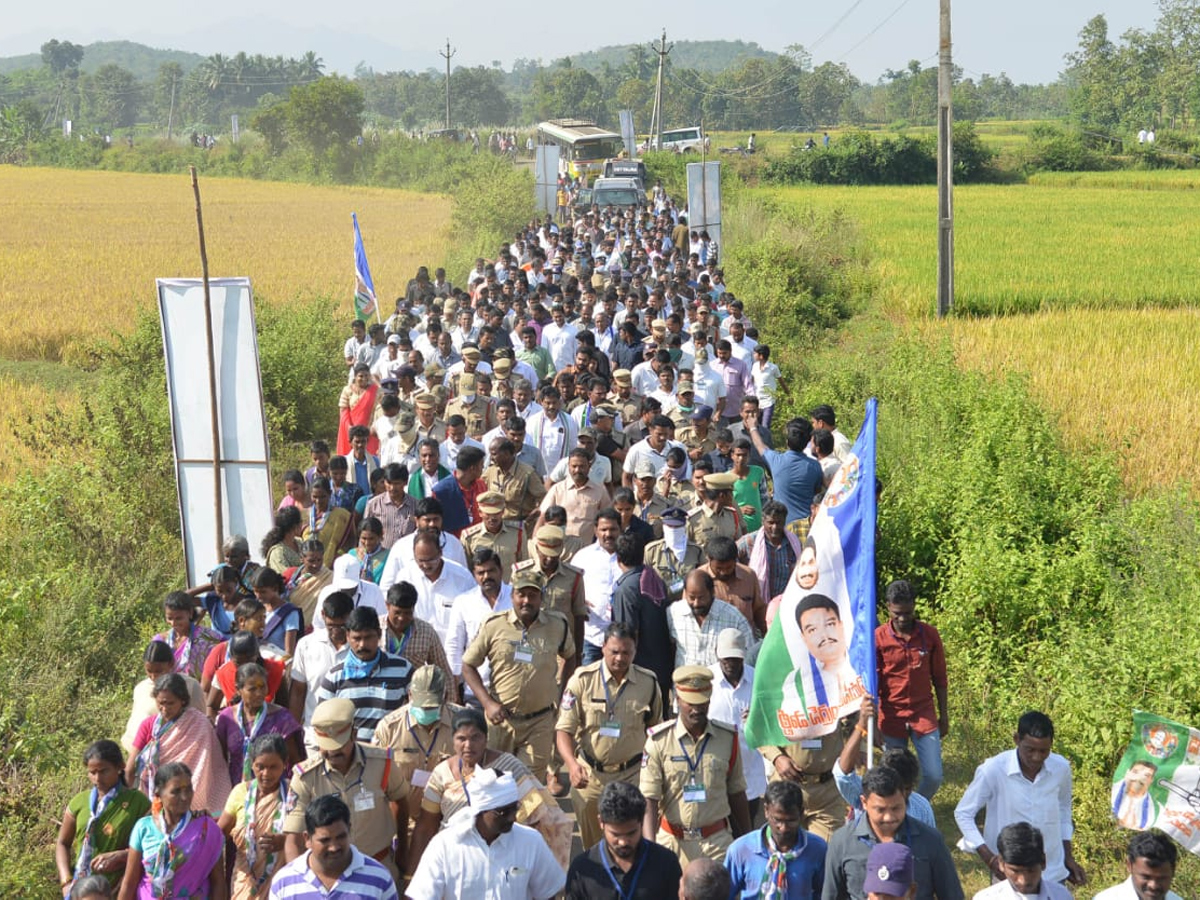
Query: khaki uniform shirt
[522, 489]
[703, 524]
[688, 437]
[651, 512]
[509, 543]
[479, 414]
[666, 770]
[522, 687]
[581, 504]
[587, 711]
[416, 749]
[371, 782]
[629, 409]
[676, 493]
[563, 592]
[672, 571]
[813, 757]
[437, 431]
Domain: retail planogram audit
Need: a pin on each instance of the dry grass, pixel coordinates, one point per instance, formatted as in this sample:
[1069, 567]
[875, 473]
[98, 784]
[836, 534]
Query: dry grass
[1130, 379]
[79, 251]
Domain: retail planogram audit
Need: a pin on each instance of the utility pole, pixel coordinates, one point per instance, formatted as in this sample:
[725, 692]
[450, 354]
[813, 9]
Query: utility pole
[171, 114]
[945, 169]
[656, 120]
[446, 55]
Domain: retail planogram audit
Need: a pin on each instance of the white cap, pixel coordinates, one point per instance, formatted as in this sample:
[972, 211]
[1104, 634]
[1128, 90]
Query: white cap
[731, 644]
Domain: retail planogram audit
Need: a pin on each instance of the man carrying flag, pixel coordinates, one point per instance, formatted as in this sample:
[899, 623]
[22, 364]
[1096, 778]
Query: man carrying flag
[364, 290]
[818, 658]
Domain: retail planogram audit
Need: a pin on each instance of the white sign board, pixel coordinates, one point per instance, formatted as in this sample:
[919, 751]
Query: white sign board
[545, 176]
[627, 134]
[241, 453]
[704, 199]
[233, 123]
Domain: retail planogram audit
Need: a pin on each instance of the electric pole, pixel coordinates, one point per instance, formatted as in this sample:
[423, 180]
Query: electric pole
[171, 114]
[656, 119]
[446, 55]
[945, 169]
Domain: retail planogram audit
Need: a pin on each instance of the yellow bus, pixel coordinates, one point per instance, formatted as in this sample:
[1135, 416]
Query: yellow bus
[583, 146]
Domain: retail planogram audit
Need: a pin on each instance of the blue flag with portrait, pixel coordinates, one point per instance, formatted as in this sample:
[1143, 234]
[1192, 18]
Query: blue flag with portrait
[818, 658]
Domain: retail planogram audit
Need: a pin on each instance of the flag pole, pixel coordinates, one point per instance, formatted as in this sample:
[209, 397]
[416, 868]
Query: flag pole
[218, 500]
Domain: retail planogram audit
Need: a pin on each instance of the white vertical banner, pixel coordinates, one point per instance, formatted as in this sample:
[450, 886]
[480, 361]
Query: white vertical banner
[546, 177]
[66, 128]
[233, 127]
[627, 133]
[704, 199]
[241, 453]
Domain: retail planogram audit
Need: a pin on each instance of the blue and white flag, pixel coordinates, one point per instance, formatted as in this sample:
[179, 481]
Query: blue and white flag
[818, 658]
[364, 289]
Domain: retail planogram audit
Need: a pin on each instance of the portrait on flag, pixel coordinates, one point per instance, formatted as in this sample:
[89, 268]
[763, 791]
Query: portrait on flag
[818, 659]
[1157, 782]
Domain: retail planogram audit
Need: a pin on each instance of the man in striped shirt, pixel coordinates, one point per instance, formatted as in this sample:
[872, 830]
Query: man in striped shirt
[331, 860]
[376, 682]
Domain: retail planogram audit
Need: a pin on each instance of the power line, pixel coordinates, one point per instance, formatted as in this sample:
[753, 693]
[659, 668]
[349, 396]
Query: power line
[874, 30]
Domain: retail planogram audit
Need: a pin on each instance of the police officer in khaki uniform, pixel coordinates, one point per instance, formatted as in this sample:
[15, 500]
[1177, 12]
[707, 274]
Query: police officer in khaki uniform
[698, 435]
[367, 779]
[502, 387]
[692, 777]
[661, 557]
[601, 730]
[507, 539]
[477, 411]
[428, 424]
[522, 646]
[809, 763]
[622, 399]
[562, 590]
[419, 734]
[714, 517]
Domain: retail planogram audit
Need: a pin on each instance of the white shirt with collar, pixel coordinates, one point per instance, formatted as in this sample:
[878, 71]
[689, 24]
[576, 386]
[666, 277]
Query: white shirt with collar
[1003, 890]
[522, 369]
[467, 617]
[315, 655]
[731, 705]
[436, 599]
[554, 438]
[364, 593]
[1125, 891]
[401, 556]
[1007, 796]
[448, 452]
[459, 863]
[600, 573]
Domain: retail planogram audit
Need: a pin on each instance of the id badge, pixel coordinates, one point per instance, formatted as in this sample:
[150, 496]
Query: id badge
[523, 653]
[694, 793]
[610, 729]
[364, 801]
[810, 744]
[420, 777]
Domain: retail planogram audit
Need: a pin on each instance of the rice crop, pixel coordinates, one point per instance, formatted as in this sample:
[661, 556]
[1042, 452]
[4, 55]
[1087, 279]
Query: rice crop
[79, 251]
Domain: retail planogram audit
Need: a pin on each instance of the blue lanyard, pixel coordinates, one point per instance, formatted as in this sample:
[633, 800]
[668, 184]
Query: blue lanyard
[398, 650]
[693, 766]
[637, 873]
[412, 731]
[609, 702]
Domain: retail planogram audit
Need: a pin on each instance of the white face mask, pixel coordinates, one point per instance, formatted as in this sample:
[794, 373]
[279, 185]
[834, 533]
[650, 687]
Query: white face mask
[468, 398]
[675, 537]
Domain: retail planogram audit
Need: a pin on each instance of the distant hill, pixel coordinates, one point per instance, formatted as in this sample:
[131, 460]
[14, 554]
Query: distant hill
[704, 56]
[139, 59]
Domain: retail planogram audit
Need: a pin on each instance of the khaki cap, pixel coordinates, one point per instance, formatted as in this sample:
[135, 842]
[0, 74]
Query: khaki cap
[471, 353]
[644, 469]
[720, 481]
[427, 688]
[491, 502]
[549, 540]
[623, 376]
[502, 366]
[693, 684]
[333, 723]
[425, 401]
[528, 578]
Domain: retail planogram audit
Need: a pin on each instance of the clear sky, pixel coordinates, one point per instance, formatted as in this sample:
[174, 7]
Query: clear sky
[1025, 38]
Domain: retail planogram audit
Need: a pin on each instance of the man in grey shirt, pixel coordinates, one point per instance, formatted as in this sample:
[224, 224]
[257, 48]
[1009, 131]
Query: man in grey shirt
[884, 818]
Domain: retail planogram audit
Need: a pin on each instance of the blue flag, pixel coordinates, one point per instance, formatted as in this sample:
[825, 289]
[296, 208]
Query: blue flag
[364, 289]
[818, 658]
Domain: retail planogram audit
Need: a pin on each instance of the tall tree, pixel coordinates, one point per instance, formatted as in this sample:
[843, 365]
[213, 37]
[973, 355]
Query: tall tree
[61, 56]
[1093, 69]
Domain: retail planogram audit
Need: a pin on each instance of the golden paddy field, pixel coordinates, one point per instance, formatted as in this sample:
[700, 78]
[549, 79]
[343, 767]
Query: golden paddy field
[79, 251]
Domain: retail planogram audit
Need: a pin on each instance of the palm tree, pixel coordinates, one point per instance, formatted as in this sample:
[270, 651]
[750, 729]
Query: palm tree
[312, 65]
[216, 71]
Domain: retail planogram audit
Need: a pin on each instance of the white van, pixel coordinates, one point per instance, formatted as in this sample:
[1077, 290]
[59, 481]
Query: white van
[684, 140]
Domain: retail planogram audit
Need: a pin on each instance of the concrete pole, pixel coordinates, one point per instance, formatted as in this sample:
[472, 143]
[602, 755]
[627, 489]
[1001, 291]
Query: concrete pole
[945, 169]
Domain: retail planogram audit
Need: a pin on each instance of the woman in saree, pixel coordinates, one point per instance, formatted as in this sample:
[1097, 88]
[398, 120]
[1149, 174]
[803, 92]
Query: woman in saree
[281, 545]
[158, 660]
[188, 639]
[332, 525]
[179, 733]
[303, 583]
[449, 785]
[295, 492]
[175, 853]
[97, 823]
[253, 716]
[253, 819]
[370, 552]
[356, 406]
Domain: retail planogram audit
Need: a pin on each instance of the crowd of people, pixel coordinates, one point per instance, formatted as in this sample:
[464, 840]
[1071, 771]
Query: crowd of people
[536, 562]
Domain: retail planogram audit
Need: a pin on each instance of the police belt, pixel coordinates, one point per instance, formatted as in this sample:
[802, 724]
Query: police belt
[517, 717]
[613, 769]
[693, 834]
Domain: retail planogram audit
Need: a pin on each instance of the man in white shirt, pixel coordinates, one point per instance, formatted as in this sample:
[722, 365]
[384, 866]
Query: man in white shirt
[651, 450]
[554, 433]
[456, 439]
[558, 337]
[733, 683]
[439, 582]
[1022, 861]
[1026, 784]
[482, 852]
[1150, 861]
[316, 654]
[598, 562]
[347, 578]
[491, 596]
[428, 514]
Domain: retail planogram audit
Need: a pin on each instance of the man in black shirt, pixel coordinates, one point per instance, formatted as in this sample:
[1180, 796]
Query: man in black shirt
[623, 865]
